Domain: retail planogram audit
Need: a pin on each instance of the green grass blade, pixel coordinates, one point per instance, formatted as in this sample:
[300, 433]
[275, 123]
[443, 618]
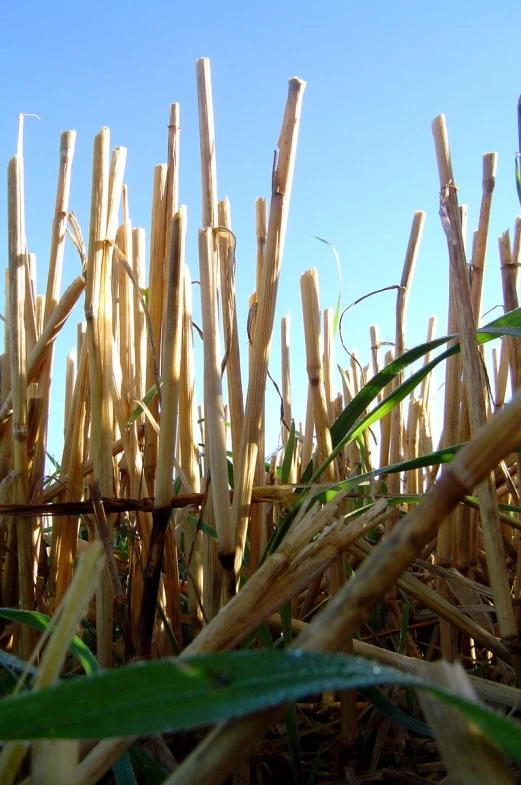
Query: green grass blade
[203, 527]
[147, 400]
[369, 391]
[287, 461]
[40, 622]
[336, 317]
[170, 694]
[394, 713]
[496, 727]
[315, 768]
[123, 771]
[346, 428]
[151, 771]
[11, 669]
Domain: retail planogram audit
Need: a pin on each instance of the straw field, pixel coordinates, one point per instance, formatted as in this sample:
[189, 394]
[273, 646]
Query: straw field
[166, 578]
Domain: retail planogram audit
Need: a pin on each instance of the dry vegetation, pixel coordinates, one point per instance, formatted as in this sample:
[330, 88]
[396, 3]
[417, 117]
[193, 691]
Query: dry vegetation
[200, 554]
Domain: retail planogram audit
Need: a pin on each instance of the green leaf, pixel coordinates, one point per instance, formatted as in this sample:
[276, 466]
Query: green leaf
[147, 400]
[293, 741]
[394, 713]
[165, 695]
[123, 771]
[230, 474]
[496, 727]
[315, 768]
[11, 669]
[40, 622]
[288, 456]
[518, 177]
[369, 391]
[431, 459]
[203, 527]
[153, 773]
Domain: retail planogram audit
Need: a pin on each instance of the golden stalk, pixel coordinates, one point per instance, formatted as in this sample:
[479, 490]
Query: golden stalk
[215, 444]
[57, 761]
[413, 247]
[281, 192]
[385, 422]
[336, 574]
[189, 458]
[286, 390]
[171, 363]
[65, 530]
[70, 381]
[474, 386]
[466, 523]
[172, 188]
[59, 231]
[329, 364]
[312, 332]
[510, 299]
[232, 358]
[509, 281]
[207, 142]
[291, 568]
[309, 431]
[138, 268]
[425, 436]
[18, 370]
[106, 194]
[51, 329]
[155, 284]
[258, 531]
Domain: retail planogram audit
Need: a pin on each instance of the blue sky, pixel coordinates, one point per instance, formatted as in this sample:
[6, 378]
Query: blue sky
[377, 73]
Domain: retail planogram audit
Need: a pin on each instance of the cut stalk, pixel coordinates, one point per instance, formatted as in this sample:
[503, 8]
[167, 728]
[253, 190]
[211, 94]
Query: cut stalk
[215, 445]
[171, 361]
[413, 247]
[59, 230]
[474, 385]
[189, 458]
[18, 369]
[207, 142]
[282, 181]
[155, 307]
[258, 531]
[230, 327]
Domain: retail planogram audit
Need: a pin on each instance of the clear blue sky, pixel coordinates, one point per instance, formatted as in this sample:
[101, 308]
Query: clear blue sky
[377, 73]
